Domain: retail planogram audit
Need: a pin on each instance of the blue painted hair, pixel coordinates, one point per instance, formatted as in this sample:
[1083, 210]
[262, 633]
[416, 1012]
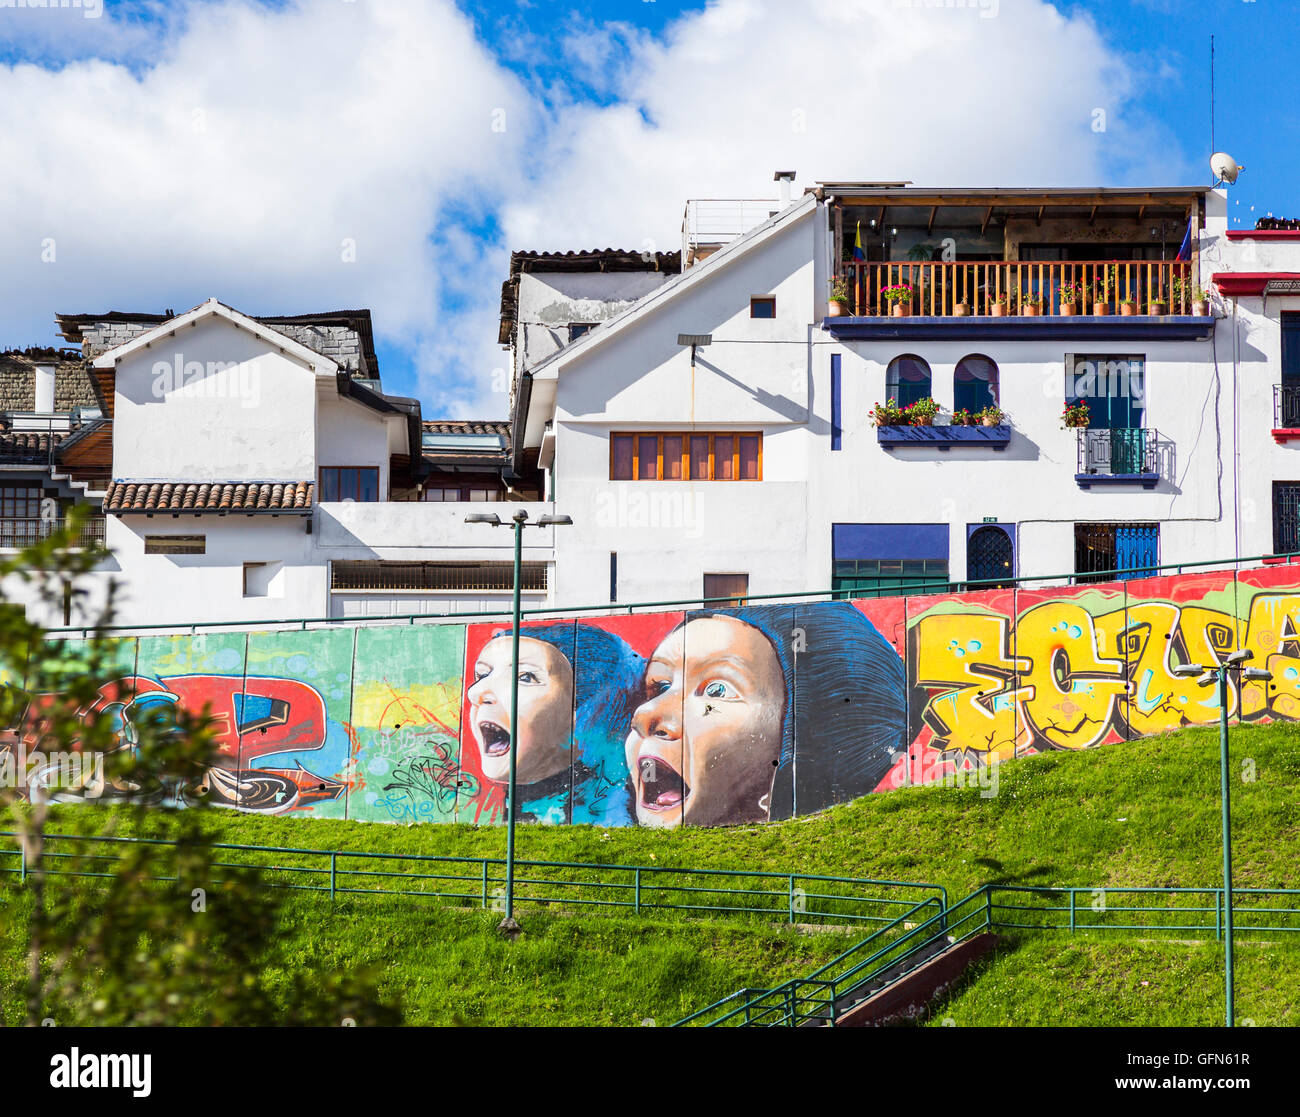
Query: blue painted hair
[845, 710]
[608, 683]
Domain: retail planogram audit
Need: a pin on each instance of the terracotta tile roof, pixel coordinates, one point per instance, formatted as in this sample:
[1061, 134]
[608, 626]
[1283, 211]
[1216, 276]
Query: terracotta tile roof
[209, 496]
[27, 445]
[467, 426]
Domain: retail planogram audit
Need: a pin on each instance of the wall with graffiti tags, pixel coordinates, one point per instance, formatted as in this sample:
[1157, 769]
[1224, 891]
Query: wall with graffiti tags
[697, 718]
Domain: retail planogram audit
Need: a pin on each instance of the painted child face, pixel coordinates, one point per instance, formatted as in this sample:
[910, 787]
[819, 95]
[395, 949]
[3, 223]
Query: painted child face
[545, 710]
[705, 741]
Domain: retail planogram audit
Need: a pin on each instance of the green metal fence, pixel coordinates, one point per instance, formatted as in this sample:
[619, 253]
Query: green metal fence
[479, 881]
[560, 612]
[891, 952]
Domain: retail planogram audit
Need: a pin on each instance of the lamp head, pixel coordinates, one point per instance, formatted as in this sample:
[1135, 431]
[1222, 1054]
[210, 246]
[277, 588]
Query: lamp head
[483, 518]
[1239, 656]
[1257, 673]
[1187, 670]
[558, 521]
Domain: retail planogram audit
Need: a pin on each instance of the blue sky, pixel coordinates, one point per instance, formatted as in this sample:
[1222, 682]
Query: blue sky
[165, 152]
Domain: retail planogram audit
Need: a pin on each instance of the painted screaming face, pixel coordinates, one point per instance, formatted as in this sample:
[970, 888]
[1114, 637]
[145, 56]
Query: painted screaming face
[705, 741]
[545, 710]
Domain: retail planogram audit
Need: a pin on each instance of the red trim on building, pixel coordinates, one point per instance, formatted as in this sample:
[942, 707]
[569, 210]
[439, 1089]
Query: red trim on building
[1236, 284]
[1282, 435]
[1264, 234]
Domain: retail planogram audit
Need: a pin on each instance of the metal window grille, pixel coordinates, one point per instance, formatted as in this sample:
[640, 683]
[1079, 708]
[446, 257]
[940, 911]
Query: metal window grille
[1101, 549]
[1119, 452]
[498, 576]
[1286, 406]
[1286, 517]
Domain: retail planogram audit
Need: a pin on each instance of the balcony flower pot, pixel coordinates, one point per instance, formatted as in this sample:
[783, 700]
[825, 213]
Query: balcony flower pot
[998, 310]
[1068, 309]
[960, 310]
[1158, 307]
[1031, 310]
[837, 309]
[1128, 309]
[923, 421]
[1100, 310]
[1201, 309]
[900, 310]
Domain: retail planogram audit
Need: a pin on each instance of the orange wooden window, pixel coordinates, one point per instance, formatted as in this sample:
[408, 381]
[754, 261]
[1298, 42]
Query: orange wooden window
[679, 457]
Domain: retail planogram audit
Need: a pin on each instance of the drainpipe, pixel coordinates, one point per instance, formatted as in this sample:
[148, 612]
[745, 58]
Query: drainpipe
[1236, 454]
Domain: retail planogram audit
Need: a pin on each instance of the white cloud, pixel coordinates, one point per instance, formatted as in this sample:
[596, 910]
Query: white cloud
[988, 93]
[259, 152]
[234, 150]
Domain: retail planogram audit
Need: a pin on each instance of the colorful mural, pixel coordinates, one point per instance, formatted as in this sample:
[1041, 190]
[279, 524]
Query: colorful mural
[700, 718]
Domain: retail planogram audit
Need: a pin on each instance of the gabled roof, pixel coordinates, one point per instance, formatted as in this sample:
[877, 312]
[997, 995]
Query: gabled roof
[678, 285]
[70, 325]
[319, 365]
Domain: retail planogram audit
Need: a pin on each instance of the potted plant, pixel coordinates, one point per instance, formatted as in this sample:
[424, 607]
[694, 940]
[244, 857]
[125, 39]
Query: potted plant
[921, 413]
[961, 309]
[1186, 293]
[1068, 298]
[1128, 306]
[1031, 304]
[887, 414]
[999, 303]
[899, 297]
[963, 418]
[1074, 416]
[991, 416]
[1101, 290]
[841, 298]
[1158, 306]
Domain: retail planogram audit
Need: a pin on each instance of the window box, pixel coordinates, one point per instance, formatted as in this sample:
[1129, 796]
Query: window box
[943, 438]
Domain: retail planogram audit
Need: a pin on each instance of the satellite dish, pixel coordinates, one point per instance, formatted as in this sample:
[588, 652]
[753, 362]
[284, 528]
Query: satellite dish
[1224, 167]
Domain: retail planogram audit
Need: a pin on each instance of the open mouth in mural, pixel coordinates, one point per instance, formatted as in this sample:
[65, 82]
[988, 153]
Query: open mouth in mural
[662, 787]
[495, 738]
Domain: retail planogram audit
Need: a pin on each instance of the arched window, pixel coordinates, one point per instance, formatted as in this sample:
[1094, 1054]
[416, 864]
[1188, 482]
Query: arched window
[975, 384]
[907, 380]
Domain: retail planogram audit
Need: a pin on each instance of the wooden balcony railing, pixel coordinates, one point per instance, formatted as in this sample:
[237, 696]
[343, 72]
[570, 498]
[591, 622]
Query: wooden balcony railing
[940, 289]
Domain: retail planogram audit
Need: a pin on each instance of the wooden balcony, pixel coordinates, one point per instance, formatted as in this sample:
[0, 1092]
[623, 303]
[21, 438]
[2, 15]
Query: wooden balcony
[947, 290]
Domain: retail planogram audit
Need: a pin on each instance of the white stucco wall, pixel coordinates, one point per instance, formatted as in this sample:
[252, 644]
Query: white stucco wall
[550, 301]
[173, 589]
[254, 420]
[774, 376]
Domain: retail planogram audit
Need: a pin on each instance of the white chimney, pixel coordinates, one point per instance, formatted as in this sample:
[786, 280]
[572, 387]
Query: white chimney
[786, 179]
[44, 389]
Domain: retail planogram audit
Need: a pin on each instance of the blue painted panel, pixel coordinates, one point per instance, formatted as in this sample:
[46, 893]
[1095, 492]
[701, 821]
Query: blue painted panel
[836, 432]
[889, 541]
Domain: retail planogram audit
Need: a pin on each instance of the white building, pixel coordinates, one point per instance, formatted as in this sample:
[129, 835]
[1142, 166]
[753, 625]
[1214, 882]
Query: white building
[1178, 465]
[709, 430]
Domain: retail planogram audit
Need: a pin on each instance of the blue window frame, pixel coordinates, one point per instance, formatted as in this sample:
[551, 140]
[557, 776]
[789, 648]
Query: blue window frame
[907, 379]
[975, 383]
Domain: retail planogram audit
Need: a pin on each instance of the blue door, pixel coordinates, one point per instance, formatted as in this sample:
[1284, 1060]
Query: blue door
[1137, 550]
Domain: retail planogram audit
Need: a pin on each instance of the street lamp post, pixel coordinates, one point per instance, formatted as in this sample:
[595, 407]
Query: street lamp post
[518, 522]
[1218, 672]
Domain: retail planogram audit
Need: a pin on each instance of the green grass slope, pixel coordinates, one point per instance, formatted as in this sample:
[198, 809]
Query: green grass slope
[1145, 813]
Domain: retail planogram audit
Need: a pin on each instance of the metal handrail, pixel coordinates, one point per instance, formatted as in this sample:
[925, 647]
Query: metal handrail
[936, 587]
[987, 913]
[799, 897]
